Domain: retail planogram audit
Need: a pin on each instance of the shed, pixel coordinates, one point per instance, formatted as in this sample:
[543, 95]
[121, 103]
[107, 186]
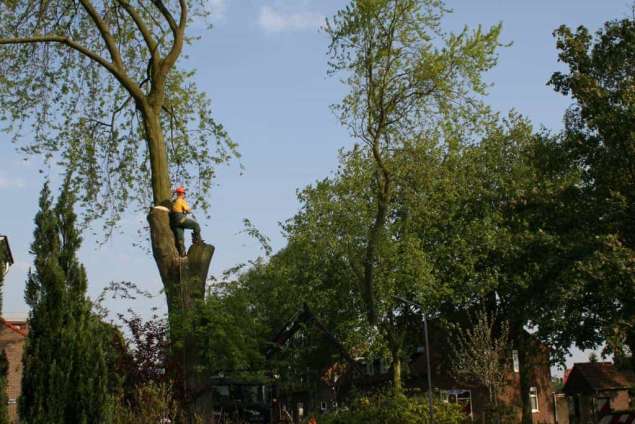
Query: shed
[598, 389]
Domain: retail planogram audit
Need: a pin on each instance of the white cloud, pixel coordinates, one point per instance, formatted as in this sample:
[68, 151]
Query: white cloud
[10, 182]
[274, 20]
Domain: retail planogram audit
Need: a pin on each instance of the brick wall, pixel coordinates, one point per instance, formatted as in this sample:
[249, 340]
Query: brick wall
[537, 368]
[12, 342]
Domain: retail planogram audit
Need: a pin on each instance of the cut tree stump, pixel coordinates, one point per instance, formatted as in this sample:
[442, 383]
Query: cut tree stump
[184, 281]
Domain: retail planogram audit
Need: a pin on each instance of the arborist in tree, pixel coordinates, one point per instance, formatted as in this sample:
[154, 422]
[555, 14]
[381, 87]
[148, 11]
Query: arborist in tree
[180, 221]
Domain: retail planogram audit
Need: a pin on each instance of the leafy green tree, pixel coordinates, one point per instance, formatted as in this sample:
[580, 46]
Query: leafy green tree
[472, 223]
[403, 88]
[446, 229]
[99, 82]
[65, 377]
[409, 83]
[227, 315]
[599, 142]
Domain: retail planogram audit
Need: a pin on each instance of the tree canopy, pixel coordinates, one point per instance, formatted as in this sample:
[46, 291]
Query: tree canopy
[408, 81]
[95, 86]
[599, 141]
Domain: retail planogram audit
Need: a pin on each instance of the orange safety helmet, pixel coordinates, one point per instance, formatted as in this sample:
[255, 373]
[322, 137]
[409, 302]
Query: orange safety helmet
[180, 190]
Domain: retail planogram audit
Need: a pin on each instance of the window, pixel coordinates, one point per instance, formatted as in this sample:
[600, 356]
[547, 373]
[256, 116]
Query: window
[222, 391]
[515, 361]
[383, 366]
[370, 370]
[300, 407]
[603, 405]
[459, 396]
[533, 399]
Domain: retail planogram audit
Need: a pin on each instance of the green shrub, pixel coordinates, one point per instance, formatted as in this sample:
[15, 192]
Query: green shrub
[154, 403]
[393, 409]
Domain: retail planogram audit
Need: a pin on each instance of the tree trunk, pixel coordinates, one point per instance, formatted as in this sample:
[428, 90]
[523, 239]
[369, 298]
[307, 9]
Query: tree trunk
[630, 342]
[372, 246]
[395, 342]
[396, 374]
[161, 188]
[525, 375]
[184, 282]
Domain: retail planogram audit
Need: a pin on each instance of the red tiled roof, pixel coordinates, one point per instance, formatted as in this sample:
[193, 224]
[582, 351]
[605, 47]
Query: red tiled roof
[11, 326]
[589, 377]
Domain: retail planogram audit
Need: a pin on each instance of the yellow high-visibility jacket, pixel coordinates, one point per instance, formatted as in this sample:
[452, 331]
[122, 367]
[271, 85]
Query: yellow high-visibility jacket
[180, 206]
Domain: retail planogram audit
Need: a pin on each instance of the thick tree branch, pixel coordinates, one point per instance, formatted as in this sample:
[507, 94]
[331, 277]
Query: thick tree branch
[105, 34]
[145, 31]
[179, 38]
[128, 84]
[167, 15]
[157, 91]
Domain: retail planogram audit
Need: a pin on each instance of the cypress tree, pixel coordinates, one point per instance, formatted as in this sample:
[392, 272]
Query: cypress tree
[65, 377]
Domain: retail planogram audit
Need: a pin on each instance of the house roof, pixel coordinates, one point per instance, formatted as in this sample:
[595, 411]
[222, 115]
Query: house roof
[4, 244]
[590, 377]
[16, 327]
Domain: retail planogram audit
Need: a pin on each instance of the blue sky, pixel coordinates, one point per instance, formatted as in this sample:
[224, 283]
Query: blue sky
[264, 66]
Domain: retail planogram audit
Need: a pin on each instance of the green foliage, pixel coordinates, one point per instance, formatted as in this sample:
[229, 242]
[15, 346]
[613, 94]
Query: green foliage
[76, 73]
[394, 409]
[409, 83]
[413, 89]
[153, 403]
[66, 375]
[230, 336]
[405, 75]
[592, 241]
[447, 221]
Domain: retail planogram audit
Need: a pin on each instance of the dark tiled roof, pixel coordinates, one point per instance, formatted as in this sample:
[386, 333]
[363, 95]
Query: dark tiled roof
[5, 242]
[589, 377]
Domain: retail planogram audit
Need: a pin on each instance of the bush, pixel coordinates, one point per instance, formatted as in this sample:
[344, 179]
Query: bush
[394, 409]
[154, 403]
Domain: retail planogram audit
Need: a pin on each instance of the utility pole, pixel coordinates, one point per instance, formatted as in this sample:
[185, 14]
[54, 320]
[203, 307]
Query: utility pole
[427, 349]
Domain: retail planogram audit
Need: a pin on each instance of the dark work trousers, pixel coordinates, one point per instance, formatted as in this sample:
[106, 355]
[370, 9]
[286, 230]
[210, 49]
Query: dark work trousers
[180, 222]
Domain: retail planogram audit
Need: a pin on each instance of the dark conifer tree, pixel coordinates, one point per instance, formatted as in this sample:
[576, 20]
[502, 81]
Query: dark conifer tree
[65, 376]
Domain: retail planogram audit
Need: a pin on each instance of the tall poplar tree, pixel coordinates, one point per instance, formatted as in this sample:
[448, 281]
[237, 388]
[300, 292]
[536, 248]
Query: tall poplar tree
[65, 377]
[409, 83]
